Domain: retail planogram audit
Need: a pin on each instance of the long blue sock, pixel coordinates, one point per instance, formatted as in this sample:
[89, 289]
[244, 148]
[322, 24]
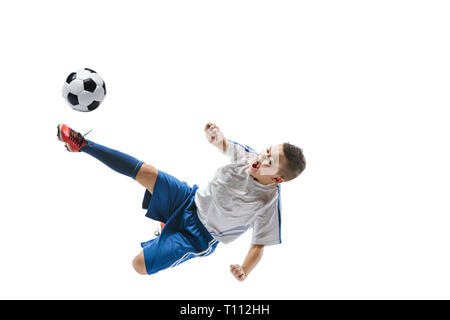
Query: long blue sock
[116, 160]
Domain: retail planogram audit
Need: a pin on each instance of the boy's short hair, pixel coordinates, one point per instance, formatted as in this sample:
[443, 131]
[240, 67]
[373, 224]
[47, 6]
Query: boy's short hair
[295, 162]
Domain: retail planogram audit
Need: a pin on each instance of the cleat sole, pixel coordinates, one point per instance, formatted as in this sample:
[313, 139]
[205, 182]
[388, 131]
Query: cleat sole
[58, 134]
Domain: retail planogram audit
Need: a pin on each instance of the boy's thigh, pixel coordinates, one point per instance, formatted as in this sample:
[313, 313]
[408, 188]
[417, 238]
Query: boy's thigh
[166, 252]
[169, 196]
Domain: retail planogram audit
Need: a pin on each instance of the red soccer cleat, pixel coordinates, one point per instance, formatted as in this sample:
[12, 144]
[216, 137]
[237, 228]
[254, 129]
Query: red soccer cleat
[73, 140]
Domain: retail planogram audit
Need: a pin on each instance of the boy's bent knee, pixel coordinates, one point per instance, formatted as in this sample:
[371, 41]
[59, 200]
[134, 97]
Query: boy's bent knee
[146, 176]
[139, 264]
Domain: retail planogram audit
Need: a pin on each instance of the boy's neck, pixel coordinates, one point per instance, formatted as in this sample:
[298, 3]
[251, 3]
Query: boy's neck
[261, 181]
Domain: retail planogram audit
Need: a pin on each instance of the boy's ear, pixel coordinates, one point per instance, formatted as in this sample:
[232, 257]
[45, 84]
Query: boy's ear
[277, 179]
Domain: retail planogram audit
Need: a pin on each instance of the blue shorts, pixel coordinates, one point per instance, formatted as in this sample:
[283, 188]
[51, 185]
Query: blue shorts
[183, 237]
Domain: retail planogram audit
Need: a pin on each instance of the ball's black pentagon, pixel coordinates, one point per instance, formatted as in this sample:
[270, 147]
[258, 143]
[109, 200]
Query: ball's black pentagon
[104, 87]
[73, 99]
[89, 85]
[71, 76]
[93, 105]
[90, 70]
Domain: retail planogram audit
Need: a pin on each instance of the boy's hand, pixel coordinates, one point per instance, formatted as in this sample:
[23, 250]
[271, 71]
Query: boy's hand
[215, 136]
[238, 272]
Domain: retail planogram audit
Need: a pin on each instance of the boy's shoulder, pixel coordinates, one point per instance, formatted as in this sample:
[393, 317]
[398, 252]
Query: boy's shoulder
[243, 146]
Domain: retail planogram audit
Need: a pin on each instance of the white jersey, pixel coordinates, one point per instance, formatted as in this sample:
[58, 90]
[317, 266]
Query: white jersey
[234, 201]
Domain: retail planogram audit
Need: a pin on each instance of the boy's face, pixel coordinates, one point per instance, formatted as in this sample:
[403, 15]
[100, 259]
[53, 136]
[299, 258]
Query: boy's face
[267, 164]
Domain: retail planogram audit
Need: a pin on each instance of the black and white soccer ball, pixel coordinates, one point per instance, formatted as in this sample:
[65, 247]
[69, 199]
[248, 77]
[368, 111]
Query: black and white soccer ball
[84, 90]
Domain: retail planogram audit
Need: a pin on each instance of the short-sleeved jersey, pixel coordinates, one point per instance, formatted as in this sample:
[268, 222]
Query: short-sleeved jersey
[234, 201]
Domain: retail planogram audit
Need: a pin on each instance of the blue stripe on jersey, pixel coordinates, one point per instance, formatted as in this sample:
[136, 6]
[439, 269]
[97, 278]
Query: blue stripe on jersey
[279, 211]
[245, 147]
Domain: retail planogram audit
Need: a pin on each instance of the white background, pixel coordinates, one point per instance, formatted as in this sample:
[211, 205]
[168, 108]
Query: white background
[361, 86]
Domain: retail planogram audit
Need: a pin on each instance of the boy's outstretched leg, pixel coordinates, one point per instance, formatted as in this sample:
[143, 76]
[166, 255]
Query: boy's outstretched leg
[116, 160]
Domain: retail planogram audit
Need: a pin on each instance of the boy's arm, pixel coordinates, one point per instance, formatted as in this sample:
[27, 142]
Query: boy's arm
[215, 136]
[253, 256]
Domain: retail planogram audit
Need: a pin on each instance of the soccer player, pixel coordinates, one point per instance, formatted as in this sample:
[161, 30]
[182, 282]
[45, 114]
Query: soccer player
[244, 194]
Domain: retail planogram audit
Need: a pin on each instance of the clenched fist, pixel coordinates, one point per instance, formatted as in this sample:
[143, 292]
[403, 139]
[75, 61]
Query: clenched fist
[238, 272]
[215, 136]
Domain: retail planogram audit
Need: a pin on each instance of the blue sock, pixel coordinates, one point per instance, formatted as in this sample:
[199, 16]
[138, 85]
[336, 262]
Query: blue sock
[116, 160]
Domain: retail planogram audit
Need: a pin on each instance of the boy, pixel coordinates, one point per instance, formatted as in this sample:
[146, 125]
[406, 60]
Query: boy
[243, 194]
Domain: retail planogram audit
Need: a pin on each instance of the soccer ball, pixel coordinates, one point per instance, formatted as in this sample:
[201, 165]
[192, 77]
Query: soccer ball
[84, 90]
